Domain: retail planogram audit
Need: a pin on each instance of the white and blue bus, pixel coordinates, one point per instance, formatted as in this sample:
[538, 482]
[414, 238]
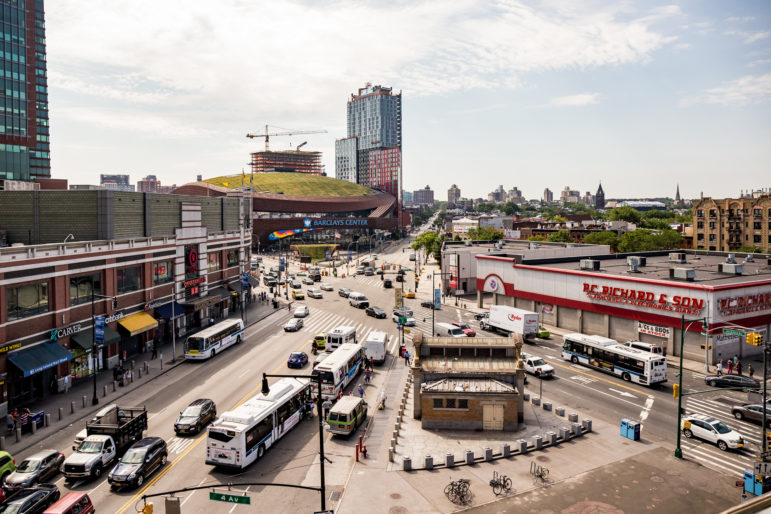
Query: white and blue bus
[339, 336]
[339, 369]
[239, 437]
[605, 354]
[209, 341]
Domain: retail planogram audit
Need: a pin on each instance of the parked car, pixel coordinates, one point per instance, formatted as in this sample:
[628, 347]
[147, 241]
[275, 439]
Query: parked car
[542, 333]
[301, 311]
[344, 292]
[731, 381]
[31, 500]
[713, 431]
[315, 293]
[7, 465]
[295, 284]
[308, 281]
[470, 332]
[326, 286]
[428, 304]
[140, 461]
[752, 413]
[368, 272]
[297, 360]
[72, 503]
[35, 469]
[380, 271]
[376, 312]
[298, 295]
[320, 357]
[293, 325]
[195, 416]
[387, 283]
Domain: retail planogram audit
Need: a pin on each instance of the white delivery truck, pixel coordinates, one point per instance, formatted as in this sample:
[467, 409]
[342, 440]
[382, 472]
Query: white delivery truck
[508, 320]
[448, 330]
[375, 346]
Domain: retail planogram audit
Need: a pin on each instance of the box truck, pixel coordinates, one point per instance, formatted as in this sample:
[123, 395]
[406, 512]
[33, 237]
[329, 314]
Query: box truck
[507, 319]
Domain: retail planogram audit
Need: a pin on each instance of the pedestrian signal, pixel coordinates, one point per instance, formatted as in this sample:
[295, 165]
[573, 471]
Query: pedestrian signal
[702, 346]
[675, 390]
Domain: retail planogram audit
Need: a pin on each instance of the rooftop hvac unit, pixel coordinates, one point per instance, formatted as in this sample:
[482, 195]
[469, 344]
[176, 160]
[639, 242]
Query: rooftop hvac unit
[749, 258]
[590, 264]
[682, 274]
[730, 258]
[633, 267]
[730, 268]
[677, 257]
[534, 246]
[636, 260]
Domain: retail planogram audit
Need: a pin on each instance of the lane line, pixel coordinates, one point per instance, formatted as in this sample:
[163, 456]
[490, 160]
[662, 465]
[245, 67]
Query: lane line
[245, 372]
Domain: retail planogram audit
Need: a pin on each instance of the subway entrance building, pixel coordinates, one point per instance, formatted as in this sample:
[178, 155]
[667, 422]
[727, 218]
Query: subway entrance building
[642, 297]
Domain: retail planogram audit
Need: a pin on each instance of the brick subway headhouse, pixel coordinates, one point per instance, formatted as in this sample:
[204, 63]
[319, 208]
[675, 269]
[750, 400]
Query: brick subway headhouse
[283, 202]
[149, 263]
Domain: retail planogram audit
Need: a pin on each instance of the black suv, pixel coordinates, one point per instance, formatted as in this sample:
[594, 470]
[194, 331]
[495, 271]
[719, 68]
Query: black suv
[32, 499]
[195, 416]
[140, 461]
[376, 312]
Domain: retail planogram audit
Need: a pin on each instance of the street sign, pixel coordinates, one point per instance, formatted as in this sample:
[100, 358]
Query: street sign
[402, 320]
[734, 332]
[763, 468]
[229, 498]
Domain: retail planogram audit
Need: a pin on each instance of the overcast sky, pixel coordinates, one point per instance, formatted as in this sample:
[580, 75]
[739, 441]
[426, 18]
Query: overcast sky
[638, 95]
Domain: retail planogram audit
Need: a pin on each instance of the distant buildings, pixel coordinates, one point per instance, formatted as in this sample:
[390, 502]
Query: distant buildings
[642, 205]
[570, 196]
[599, 198]
[423, 196]
[151, 184]
[728, 224]
[293, 161]
[24, 139]
[453, 194]
[515, 196]
[115, 182]
[548, 196]
[407, 196]
[371, 155]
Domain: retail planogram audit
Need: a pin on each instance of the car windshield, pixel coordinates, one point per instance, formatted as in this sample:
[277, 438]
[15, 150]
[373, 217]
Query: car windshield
[90, 447]
[12, 508]
[463, 326]
[28, 466]
[191, 412]
[134, 456]
[296, 356]
[539, 362]
[721, 427]
[194, 343]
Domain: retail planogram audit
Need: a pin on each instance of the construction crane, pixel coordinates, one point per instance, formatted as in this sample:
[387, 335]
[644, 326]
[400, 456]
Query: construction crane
[267, 134]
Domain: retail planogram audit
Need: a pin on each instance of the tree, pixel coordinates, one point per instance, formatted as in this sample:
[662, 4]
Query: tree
[655, 223]
[484, 234]
[605, 237]
[637, 241]
[625, 214]
[510, 208]
[536, 238]
[560, 236]
[668, 239]
[749, 249]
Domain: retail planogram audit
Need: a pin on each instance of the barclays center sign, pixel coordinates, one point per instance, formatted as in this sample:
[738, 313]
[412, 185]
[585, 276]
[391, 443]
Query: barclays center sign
[321, 223]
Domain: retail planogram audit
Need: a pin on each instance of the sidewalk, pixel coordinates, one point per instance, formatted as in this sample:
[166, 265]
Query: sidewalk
[51, 404]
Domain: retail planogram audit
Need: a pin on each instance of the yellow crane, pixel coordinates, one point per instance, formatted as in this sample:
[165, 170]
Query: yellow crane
[267, 134]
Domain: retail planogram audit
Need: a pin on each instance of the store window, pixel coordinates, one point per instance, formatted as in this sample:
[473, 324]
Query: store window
[27, 300]
[163, 272]
[232, 257]
[129, 279]
[83, 288]
[215, 262]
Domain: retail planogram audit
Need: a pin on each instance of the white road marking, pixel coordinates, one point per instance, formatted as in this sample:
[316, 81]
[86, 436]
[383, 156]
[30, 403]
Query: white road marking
[247, 370]
[192, 493]
[622, 393]
[646, 410]
[151, 417]
[236, 505]
[583, 379]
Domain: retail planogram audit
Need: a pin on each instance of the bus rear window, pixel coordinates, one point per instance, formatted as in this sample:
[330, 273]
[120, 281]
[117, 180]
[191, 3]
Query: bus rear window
[326, 377]
[222, 437]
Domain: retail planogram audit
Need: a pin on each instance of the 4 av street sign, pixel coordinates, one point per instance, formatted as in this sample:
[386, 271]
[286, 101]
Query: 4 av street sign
[229, 498]
[734, 332]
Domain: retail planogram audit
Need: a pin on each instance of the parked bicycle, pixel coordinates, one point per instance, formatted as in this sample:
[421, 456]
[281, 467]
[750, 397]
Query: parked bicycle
[500, 483]
[539, 472]
[458, 492]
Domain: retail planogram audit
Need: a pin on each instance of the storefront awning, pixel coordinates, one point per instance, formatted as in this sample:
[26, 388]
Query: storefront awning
[235, 286]
[39, 357]
[199, 303]
[165, 311]
[85, 338]
[219, 291]
[138, 323]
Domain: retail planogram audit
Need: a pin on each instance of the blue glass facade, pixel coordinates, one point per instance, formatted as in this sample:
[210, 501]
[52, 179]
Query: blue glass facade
[24, 134]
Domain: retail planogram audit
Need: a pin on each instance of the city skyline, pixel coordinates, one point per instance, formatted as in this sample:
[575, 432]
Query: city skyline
[639, 97]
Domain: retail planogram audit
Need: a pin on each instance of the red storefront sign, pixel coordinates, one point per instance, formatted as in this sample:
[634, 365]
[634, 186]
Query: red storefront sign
[742, 304]
[645, 299]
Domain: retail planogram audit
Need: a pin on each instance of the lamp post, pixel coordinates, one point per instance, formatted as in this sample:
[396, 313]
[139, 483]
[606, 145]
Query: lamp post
[433, 309]
[95, 399]
[317, 378]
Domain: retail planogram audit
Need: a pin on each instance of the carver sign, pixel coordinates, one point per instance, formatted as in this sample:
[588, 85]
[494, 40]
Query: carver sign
[642, 298]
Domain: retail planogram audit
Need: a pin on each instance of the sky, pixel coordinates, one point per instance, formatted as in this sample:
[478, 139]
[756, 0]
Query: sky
[640, 96]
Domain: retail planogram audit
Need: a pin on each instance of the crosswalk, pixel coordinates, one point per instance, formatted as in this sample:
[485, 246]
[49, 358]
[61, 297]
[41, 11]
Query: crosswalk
[177, 445]
[732, 462]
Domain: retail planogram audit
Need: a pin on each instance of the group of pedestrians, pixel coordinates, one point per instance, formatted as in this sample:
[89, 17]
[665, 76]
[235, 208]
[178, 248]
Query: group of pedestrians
[734, 365]
[14, 419]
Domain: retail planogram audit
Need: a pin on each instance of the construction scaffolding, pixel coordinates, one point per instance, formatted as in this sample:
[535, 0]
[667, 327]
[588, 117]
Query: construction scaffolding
[291, 161]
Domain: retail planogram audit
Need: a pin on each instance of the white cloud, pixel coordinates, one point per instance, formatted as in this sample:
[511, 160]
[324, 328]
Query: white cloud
[575, 100]
[750, 89]
[740, 19]
[749, 37]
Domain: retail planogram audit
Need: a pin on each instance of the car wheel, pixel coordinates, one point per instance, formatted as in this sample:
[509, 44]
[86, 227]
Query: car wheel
[140, 480]
[97, 471]
[198, 428]
[537, 374]
[260, 452]
[574, 359]
[626, 376]
[213, 353]
[738, 415]
[238, 340]
[712, 383]
[164, 459]
[5, 475]
[687, 433]
[722, 445]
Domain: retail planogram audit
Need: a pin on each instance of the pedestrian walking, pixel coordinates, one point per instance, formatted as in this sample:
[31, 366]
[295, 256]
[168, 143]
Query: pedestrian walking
[730, 366]
[739, 368]
[368, 375]
[736, 359]
[406, 358]
[155, 351]
[372, 363]
[327, 406]
[750, 370]
[382, 399]
[720, 368]
[361, 391]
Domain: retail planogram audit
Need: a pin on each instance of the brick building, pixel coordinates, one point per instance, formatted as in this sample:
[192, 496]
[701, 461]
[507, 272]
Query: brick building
[728, 224]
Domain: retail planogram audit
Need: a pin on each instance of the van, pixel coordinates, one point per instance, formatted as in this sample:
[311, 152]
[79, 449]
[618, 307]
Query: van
[346, 415]
[448, 330]
[72, 503]
[358, 300]
[375, 346]
[646, 347]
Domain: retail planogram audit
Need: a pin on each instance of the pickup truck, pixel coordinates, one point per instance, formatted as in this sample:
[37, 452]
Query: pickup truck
[108, 434]
[537, 366]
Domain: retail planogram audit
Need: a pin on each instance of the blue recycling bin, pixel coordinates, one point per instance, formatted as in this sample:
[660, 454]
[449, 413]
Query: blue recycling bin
[633, 431]
[756, 484]
[749, 481]
[624, 427]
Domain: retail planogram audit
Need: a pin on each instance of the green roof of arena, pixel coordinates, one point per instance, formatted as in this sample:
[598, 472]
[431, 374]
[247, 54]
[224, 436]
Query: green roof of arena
[299, 184]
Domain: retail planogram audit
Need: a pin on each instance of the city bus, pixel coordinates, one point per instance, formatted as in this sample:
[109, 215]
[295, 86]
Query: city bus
[341, 335]
[213, 339]
[608, 355]
[239, 437]
[339, 369]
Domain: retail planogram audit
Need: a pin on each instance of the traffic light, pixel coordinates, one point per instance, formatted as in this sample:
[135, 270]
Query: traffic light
[702, 346]
[754, 339]
[749, 339]
[114, 302]
[147, 508]
[675, 390]
[758, 339]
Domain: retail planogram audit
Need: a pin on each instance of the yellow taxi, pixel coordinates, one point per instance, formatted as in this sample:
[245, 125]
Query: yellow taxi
[298, 295]
[409, 294]
[321, 340]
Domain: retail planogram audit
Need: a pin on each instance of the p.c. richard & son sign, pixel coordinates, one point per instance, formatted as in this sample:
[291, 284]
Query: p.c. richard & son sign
[645, 299]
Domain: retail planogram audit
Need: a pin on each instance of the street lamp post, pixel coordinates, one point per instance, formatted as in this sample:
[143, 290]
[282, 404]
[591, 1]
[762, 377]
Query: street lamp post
[317, 378]
[95, 399]
[433, 310]
[683, 328]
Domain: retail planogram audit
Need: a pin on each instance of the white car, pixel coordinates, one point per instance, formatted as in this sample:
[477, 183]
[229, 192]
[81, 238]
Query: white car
[713, 431]
[409, 323]
[314, 293]
[293, 325]
[308, 281]
[537, 366]
[326, 287]
[301, 311]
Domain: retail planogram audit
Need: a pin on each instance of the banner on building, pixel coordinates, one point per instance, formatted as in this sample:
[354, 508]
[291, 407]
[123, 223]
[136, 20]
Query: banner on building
[654, 330]
[547, 309]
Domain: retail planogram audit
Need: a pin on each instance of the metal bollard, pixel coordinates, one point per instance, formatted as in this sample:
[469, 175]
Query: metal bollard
[147, 366]
[469, 456]
[114, 385]
[428, 462]
[104, 391]
[522, 446]
[488, 454]
[72, 407]
[84, 401]
[573, 417]
[546, 406]
[391, 454]
[33, 427]
[18, 434]
[2, 443]
[139, 371]
[61, 413]
[47, 420]
[559, 411]
[538, 440]
[161, 364]
[449, 460]
[587, 424]
[407, 464]
[132, 364]
[393, 443]
[396, 435]
[506, 450]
